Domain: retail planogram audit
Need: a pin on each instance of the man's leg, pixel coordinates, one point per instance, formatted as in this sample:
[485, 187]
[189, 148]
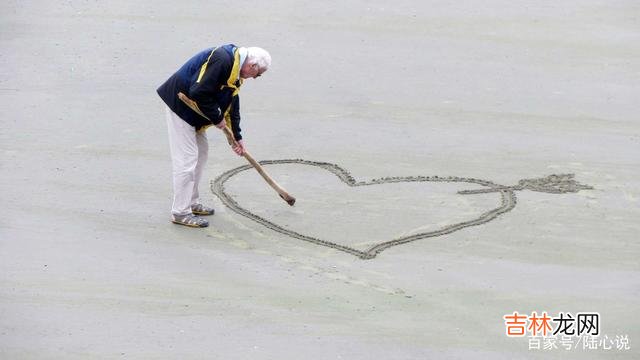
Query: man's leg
[184, 158]
[203, 155]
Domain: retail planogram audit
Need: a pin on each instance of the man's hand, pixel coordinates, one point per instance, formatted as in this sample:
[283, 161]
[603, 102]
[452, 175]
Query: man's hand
[221, 124]
[238, 148]
[236, 145]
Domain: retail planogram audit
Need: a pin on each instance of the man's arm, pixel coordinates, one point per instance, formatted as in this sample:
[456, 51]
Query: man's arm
[235, 117]
[204, 89]
[235, 125]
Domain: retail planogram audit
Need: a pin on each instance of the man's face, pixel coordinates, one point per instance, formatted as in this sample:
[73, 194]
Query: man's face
[250, 71]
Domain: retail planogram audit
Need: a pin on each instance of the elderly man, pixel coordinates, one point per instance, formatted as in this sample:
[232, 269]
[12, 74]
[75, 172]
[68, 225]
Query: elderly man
[212, 79]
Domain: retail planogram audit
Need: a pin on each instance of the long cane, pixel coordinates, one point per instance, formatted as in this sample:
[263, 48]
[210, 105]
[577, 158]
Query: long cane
[282, 192]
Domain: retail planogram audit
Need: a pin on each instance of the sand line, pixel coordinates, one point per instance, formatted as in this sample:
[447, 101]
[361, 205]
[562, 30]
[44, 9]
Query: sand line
[555, 184]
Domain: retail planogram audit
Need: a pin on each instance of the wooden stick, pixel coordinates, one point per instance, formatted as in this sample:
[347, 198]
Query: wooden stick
[232, 141]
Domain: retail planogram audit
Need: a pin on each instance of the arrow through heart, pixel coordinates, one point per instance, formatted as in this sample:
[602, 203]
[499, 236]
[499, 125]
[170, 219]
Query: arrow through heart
[557, 183]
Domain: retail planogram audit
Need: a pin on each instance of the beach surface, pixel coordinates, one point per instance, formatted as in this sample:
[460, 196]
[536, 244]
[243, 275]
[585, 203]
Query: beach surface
[92, 268]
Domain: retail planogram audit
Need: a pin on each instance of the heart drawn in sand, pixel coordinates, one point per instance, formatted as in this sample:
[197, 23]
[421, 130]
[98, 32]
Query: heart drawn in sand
[560, 183]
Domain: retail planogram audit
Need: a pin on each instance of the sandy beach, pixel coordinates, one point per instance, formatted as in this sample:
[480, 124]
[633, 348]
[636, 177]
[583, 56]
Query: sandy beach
[418, 96]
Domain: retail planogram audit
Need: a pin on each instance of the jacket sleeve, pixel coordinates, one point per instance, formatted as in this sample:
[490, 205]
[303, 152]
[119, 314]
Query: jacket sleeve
[235, 118]
[208, 84]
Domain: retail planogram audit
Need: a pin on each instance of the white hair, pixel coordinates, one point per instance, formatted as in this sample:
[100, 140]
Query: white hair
[260, 56]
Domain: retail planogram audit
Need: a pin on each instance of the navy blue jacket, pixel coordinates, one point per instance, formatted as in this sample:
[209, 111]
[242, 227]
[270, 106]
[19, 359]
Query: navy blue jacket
[211, 79]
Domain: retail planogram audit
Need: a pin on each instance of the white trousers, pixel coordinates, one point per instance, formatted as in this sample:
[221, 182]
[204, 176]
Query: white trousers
[189, 153]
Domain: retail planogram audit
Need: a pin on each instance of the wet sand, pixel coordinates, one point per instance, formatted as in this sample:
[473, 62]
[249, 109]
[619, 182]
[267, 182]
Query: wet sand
[91, 267]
